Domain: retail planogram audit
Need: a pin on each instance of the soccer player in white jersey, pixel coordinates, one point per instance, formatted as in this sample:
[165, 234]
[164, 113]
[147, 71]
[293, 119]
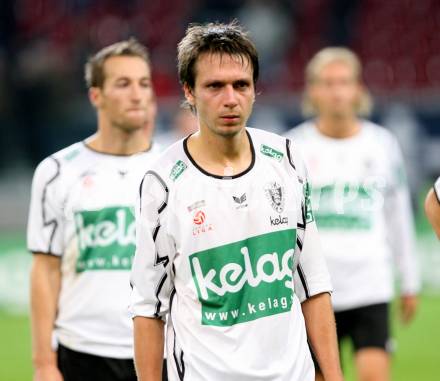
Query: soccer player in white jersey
[81, 227]
[226, 242]
[362, 207]
[432, 207]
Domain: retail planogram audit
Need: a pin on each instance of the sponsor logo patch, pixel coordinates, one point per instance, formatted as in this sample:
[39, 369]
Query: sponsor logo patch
[200, 225]
[245, 280]
[271, 152]
[177, 170]
[199, 218]
[106, 239]
[197, 204]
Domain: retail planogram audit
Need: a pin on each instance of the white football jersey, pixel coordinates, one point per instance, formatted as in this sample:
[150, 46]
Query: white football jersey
[82, 209]
[230, 258]
[363, 212]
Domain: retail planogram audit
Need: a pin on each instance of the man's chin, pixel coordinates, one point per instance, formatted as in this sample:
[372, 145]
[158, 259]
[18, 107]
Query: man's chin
[229, 130]
[131, 126]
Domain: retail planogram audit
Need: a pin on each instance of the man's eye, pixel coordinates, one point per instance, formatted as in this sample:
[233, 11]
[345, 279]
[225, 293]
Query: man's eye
[241, 85]
[122, 83]
[214, 85]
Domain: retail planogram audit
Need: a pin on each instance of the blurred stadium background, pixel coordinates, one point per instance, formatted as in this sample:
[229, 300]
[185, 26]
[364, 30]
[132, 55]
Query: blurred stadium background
[44, 107]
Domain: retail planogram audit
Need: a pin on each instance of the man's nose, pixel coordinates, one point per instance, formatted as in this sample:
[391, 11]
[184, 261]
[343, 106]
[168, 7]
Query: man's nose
[136, 92]
[230, 96]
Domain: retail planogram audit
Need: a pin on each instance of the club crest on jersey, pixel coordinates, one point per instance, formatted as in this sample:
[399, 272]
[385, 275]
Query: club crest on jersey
[275, 195]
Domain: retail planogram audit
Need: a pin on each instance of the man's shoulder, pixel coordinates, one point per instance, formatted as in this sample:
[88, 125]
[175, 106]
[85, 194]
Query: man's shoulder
[268, 143]
[300, 131]
[376, 130]
[170, 164]
[70, 153]
[53, 163]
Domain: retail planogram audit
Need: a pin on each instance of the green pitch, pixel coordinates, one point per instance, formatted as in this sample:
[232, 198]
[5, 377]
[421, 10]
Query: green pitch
[417, 355]
[416, 358]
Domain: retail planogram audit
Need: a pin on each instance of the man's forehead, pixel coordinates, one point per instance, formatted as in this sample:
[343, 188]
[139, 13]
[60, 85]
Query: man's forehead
[127, 66]
[337, 67]
[215, 63]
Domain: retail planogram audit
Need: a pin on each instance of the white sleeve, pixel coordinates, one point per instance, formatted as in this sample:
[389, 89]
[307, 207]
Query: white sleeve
[400, 224]
[437, 189]
[312, 276]
[151, 271]
[45, 222]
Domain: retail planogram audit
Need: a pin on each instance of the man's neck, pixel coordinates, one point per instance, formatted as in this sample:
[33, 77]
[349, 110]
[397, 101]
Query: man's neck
[338, 128]
[116, 141]
[221, 155]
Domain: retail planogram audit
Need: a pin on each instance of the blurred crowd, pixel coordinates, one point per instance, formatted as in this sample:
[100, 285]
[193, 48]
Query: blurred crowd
[44, 44]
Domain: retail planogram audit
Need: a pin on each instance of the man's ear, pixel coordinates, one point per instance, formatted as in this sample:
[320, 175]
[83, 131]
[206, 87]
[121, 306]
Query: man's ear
[189, 95]
[95, 96]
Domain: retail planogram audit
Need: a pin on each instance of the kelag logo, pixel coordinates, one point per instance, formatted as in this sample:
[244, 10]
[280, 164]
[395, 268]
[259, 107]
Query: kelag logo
[106, 239]
[245, 280]
[271, 152]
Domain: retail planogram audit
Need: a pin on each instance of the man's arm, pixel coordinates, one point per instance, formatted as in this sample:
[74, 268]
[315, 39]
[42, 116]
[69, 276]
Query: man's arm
[151, 278]
[148, 348]
[432, 210]
[45, 287]
[321, 332]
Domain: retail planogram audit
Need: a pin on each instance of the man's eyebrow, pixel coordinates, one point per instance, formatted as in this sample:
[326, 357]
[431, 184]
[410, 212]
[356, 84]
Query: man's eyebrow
[222, 82]
[243, 80]
[127, 78]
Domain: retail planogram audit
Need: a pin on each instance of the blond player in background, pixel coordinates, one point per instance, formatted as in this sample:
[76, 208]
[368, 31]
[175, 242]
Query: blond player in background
[362, 204]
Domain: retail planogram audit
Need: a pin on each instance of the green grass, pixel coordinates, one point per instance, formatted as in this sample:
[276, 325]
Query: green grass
[417, 357]
[15, 348]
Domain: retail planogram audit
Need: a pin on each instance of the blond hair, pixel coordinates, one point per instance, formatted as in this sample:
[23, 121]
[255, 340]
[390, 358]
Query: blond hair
[322, 59]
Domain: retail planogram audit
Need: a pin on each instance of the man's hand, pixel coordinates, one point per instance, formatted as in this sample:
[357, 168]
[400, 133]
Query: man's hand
[408, 307]
[47, 373]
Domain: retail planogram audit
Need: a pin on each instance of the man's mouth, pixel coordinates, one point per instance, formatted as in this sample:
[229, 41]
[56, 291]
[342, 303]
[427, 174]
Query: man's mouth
[231, 117]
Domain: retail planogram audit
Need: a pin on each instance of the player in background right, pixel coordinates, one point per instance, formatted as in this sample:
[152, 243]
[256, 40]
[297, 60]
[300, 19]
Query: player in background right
[432, 207]
[363, 208]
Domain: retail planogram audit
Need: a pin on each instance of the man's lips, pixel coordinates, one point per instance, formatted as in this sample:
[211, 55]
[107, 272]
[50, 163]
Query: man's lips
[230, 117]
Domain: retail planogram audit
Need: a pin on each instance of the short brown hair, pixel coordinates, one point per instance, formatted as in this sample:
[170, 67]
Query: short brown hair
[94, 67]
[216, 37]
